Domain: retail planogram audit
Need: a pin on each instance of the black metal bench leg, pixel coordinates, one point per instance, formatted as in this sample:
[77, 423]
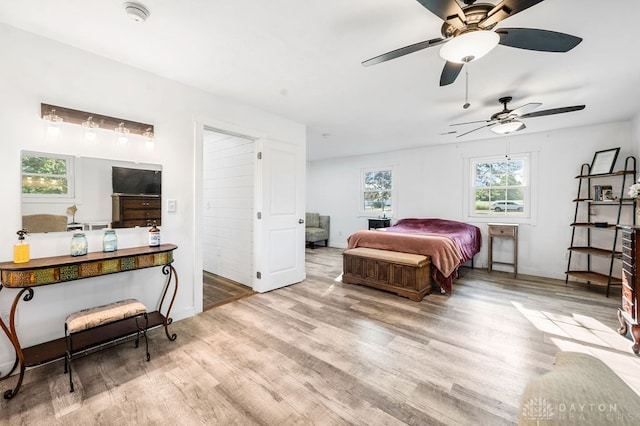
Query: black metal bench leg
[137, 332]
[66, 335]
[70, 378]
[144, 333]
[146, 341]
[67, 358]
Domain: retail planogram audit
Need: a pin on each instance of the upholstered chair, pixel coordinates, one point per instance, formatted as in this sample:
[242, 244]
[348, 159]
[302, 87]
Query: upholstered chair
[317, 229]
[44, 223]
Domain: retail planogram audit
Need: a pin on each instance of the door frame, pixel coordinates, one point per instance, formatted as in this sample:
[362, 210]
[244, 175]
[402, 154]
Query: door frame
[199, 126]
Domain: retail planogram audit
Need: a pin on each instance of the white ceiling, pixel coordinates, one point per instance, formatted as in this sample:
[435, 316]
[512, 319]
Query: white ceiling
[301, 59]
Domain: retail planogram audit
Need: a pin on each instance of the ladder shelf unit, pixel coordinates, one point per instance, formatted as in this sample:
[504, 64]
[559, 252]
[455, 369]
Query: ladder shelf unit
[588, 235]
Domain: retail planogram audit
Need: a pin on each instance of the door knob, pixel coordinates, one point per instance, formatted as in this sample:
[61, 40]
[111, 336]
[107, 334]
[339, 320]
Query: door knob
[300, 220]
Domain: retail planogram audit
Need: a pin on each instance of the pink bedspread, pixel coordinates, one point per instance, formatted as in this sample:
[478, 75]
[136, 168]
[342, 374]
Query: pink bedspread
[448, 243]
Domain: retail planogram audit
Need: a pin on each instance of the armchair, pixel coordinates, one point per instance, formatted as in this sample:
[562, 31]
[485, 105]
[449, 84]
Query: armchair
[316, 229]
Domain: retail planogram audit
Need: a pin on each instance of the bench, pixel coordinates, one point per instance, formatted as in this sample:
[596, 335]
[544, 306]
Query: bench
[405, 274]
[97, 319]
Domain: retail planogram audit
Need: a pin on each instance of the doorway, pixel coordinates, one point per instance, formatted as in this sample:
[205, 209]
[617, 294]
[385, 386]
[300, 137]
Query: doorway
[228, 189]
[257, 240]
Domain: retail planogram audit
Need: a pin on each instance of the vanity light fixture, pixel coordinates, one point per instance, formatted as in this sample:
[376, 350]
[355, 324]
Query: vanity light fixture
[55, 115]
[90, 127]
[53, 122]
[123, 133]
[149, 144]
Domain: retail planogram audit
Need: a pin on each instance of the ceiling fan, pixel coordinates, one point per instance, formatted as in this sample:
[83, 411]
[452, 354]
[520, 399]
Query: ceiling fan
[508, 120]
[467, 34]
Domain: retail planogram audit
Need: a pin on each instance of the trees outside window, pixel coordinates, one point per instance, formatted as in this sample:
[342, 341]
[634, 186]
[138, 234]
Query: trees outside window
[46, 175]
[500, 186]
[377, 191]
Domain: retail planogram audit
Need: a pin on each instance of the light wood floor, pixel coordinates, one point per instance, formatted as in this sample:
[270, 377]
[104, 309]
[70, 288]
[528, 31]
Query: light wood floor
[217, 290]
[321, 352]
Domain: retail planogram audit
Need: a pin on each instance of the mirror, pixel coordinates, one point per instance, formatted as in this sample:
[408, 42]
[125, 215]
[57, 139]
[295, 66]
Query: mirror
[62, 193]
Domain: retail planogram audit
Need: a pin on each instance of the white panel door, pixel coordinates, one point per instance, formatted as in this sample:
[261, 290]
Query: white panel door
[280, 203]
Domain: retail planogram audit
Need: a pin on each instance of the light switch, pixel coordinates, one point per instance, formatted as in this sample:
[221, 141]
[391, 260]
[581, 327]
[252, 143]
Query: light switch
[172, 206]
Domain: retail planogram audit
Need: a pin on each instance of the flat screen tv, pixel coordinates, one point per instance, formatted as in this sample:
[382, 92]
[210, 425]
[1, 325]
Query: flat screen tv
[136, 181]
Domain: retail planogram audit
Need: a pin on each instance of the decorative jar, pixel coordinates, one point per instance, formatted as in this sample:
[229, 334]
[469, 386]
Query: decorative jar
[109, 240]
[79, 244]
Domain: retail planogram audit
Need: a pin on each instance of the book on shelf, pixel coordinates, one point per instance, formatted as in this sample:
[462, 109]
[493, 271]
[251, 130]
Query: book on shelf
[603, 193]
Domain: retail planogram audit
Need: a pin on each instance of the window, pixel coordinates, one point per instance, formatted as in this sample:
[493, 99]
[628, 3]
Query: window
[377, 192]
[499, 186]
[46, 175]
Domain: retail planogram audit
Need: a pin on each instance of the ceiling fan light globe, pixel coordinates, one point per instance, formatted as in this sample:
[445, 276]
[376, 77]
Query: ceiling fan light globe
[507, 127]
[469, 46]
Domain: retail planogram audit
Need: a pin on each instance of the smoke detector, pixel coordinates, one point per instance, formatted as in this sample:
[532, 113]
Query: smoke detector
[136, 11]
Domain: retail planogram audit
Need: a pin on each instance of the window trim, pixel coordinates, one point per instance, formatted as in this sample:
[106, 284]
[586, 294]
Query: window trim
[394, 200]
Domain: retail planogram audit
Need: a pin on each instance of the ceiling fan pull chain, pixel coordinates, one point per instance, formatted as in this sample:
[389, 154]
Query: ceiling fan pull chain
[508, 148]
[466, 86]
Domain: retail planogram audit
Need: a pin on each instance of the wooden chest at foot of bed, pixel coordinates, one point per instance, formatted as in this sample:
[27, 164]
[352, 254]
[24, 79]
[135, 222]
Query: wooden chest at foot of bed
[405, 274]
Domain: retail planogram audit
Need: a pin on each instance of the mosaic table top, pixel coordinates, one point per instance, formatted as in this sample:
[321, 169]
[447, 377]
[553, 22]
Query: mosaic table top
[51, 270]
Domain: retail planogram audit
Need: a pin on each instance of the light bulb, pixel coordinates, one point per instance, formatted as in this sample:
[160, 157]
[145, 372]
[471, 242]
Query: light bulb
[123, 133]
[90, 127]
[53, 124]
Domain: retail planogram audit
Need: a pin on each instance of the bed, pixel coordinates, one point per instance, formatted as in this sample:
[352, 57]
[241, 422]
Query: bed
[448, 243]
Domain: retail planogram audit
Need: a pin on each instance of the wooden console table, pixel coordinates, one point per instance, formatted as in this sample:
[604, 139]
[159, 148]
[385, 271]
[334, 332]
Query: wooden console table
[54, 270]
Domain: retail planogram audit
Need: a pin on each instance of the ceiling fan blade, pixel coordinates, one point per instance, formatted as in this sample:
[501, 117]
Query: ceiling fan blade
[535, 39]
[450, 73]
[477, 128]
[403, 51]
[553, 111]
[524, 109]
[444, 9]
[471, 122]
[505, 9]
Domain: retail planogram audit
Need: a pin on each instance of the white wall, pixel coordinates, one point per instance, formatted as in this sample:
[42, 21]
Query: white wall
[429, 183]
[36, 70]
[635, 134]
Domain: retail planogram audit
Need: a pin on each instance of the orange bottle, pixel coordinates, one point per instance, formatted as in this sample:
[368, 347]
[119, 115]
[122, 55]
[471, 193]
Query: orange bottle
[21, 248]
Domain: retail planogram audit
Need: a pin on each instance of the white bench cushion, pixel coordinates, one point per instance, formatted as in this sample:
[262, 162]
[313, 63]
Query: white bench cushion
[100, 315]
[389, 256]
